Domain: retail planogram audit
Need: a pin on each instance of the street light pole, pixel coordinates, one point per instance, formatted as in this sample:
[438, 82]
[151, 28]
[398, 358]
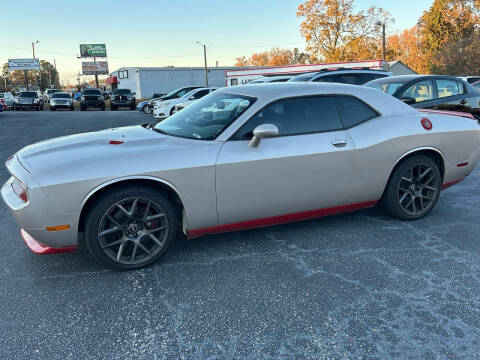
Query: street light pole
[384, 48]
[33, 53]
[205, 58]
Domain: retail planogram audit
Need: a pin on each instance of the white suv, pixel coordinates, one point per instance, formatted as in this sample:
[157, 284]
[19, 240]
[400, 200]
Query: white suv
[164, 109]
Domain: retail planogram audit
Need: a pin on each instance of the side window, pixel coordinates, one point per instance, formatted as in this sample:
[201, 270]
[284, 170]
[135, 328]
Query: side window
[354, 111]
[201, 93]
[447, 88]
[420, 91]
[461, 88]
[296, 117]
[351, 79]
[328, 78]
[233, 82]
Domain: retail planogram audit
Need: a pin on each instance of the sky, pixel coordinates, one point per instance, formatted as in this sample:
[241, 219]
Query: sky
[163, 32]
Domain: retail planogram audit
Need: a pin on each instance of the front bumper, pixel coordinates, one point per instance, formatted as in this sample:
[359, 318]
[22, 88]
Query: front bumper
[42, 249]
[100, 104]
[61, 105]
[38, 213]
[120, 103]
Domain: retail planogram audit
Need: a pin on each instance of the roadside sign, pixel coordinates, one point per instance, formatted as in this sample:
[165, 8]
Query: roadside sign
[95, 67]
[93, 50]
[23, 64]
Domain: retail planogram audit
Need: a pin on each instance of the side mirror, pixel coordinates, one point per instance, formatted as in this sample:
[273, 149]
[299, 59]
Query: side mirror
[263, 131]
[134, 93]
[191, 98]
[408, 100]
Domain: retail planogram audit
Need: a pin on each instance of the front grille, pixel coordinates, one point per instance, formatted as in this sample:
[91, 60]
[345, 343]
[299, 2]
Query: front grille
[91, 98]
[121, 98]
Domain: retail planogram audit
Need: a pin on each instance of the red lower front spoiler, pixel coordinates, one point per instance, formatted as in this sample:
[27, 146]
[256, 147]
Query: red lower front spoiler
[41, 249]
[282, 219]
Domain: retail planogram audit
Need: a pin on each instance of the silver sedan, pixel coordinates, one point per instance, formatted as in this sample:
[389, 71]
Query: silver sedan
[241, 157]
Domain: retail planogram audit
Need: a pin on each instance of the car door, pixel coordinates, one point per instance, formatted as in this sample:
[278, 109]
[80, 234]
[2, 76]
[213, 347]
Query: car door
[307, 167]
[422, 91]
[451, 95]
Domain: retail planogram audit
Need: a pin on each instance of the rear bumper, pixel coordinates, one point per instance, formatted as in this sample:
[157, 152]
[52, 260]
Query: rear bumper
[42, 249]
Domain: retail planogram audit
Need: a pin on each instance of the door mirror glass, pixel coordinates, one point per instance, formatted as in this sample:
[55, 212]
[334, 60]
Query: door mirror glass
[262, 132]
[408, 100]
[133, 93]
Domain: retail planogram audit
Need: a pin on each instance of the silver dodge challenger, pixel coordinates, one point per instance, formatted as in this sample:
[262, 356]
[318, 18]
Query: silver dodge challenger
[241, 157]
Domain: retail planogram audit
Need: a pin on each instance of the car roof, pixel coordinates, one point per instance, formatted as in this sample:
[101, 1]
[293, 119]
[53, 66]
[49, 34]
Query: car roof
[407, 78]
[384, 103]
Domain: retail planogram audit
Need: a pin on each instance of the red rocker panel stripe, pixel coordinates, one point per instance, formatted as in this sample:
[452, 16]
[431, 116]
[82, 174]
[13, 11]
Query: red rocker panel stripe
[282, 219]
[41, 249]
[451, 183]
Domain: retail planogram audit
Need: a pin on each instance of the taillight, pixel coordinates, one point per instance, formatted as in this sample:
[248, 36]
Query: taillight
[20, 189]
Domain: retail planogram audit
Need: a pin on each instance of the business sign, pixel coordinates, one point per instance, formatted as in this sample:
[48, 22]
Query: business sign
[91, 50]
[23, 64]
[95, 67]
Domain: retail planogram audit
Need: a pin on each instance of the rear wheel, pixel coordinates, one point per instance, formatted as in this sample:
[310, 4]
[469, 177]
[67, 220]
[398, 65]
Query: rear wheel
[130, 227]
[83, 108]
[413, 188]
[149, 109]
[113, 107]
[52, 108]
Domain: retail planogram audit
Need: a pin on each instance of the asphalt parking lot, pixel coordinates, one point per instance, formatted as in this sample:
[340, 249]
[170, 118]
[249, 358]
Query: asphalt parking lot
[360, 285]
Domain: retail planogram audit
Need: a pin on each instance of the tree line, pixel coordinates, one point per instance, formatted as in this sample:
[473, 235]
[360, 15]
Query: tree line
[46, 77]
[445, 39]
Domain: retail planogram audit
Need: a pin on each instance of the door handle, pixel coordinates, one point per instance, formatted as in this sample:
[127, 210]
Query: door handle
[464, 102]
[339, 142]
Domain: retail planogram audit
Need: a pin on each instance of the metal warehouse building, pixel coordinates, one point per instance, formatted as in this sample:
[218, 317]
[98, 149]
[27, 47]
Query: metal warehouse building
[145, 81]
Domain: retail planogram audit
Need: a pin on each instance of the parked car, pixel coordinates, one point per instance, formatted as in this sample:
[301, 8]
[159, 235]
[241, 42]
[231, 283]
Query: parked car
[2, 105]
[227, 163]
[92, 98]
[123, 98]
[61, 100]
[344, 76]
[147, 105]
[29, 100]
[438, 92]
[48, 93]
[469, 79]
[165, 108]
[9, 100]
[175, 94]
[271, 79]
[188, 102]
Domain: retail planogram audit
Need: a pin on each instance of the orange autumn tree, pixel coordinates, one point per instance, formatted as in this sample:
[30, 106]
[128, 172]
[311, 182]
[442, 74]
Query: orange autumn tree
[273, 57]
[407, 47]
[335, 32]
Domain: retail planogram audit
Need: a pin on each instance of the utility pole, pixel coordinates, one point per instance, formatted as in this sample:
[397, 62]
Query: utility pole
[205, 58]
[96, 75]
[384, 48]
[33, 53]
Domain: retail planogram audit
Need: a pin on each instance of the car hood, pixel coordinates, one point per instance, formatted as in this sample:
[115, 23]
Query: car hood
[83, 149]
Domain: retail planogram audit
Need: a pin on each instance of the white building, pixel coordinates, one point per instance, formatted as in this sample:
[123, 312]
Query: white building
[145, 81]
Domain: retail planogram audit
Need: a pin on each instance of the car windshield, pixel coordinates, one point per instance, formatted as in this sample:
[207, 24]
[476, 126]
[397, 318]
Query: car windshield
[122, 92]
[386, 87]
[61, 96]
[51, 91]
[92, 92]
[28, 94]
[304, 77]
[206, 118]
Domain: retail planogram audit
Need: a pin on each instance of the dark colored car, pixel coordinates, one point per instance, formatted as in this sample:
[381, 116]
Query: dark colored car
[343, 76]
[92, 98]
[29, 100]
[437, 92]
[123, 98]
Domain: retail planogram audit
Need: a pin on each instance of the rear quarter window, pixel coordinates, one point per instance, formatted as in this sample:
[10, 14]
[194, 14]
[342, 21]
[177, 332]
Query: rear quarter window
[354, 112]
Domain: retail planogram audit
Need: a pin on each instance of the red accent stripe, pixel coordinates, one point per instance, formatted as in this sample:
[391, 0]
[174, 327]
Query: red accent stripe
[41, 249]
[451, 183]
[462, 164]
[116, 142]
[282, 219]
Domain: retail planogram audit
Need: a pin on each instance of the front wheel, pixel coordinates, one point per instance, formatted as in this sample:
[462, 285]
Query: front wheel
[130, 227]
[413, 188]
[52, 108]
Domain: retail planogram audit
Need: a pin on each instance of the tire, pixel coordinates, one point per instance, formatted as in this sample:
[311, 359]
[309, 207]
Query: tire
[149, 110]
[113, 107]
[413, 188]
[102, 108]
[132, 107]
[52, 108]
[144, 108]
[83, 108]
[72, 108]
[41, 107]
[116, 247]
[172, 111]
